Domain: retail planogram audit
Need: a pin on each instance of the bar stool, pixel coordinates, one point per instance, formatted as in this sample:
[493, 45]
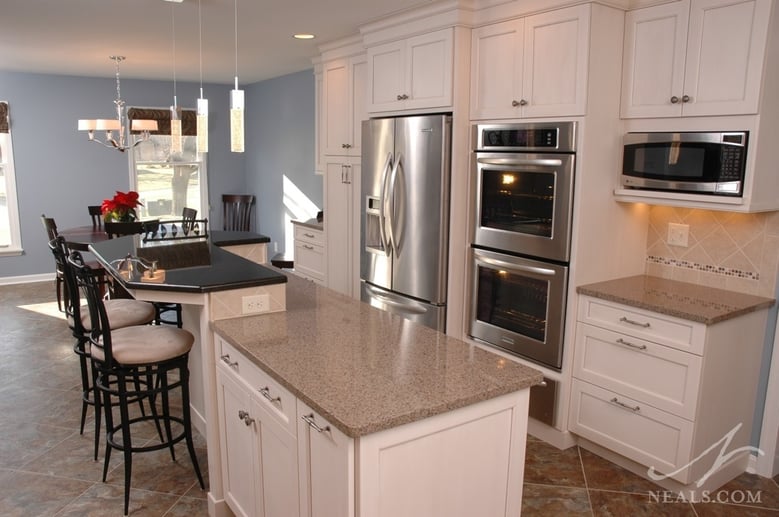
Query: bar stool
[134, 363]
[121, 313]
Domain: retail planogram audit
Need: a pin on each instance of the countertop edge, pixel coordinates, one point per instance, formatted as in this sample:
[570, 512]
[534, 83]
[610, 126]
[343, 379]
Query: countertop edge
[311, 223]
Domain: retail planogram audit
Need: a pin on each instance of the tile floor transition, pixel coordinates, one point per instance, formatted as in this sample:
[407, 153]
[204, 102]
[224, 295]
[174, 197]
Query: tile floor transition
[46, 467]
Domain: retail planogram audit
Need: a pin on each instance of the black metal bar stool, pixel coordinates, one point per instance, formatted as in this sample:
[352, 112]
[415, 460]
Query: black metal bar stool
[134, 363]
[121, 313]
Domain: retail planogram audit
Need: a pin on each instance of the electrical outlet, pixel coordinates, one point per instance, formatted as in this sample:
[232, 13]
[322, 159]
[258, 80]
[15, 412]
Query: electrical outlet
[255, 304]
[678, 234]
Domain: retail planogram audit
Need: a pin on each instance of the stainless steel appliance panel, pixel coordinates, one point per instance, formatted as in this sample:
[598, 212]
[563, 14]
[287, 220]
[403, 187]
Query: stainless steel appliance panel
[524, 203]
[419, 207]
[519, 304]
[433, 316]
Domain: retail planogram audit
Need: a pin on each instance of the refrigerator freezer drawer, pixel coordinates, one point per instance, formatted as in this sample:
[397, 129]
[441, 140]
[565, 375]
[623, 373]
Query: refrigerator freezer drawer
[433, 316]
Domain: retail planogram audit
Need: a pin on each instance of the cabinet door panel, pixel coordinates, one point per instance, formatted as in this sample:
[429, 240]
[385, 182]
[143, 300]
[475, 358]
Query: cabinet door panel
[653, 68]
[429, 70]
[386, 79]
[280, 469]
[336, 105]
[358, 107]
[725, 49]
[556, 50]
[341, 193]
[239, 456]
[496, 69]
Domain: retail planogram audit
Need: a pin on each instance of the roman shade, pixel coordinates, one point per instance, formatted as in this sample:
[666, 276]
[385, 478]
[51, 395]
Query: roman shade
[162, 116]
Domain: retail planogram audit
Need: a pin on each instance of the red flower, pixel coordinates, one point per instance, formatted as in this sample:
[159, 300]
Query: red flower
[121, 207]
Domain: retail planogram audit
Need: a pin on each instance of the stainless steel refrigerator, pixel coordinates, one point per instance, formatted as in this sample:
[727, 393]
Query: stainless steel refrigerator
[405, 216]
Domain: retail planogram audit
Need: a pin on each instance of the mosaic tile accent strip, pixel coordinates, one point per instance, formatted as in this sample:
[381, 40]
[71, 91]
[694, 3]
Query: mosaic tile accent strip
[707, 268]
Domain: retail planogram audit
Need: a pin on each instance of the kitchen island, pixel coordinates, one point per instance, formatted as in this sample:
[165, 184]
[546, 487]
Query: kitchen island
[336, 408]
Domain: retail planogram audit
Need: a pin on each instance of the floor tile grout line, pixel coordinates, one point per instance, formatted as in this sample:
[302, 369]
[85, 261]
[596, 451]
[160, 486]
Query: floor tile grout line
[584, 476]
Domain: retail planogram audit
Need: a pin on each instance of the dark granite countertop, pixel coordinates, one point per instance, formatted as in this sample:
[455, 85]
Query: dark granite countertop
[364, 369]
[191, 265]
[684, 300]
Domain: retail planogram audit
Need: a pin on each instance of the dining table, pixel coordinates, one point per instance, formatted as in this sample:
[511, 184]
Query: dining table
[79, 238]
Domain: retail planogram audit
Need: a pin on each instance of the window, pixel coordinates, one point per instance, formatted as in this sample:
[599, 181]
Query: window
[166, 182]
[10, 234]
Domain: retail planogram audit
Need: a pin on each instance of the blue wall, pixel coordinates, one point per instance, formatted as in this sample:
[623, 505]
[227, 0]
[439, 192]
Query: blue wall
[59, 173]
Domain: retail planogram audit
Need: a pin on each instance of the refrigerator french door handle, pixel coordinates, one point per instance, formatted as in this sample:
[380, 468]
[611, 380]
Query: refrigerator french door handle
[392, 205]
[545, 162]
[516, 267]
[385, 176]
[398, 221]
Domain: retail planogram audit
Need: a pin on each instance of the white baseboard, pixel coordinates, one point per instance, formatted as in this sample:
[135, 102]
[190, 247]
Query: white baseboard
[27, 279]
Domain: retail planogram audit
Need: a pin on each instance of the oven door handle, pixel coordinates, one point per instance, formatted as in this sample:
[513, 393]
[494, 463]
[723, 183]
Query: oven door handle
[517, 267]
[545, 162]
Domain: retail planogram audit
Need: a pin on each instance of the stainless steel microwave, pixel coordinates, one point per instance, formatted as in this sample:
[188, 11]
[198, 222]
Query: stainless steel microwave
[697, 162]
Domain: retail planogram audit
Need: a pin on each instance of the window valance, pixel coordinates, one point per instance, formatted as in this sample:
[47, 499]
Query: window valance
[3, 117]
[162, 116]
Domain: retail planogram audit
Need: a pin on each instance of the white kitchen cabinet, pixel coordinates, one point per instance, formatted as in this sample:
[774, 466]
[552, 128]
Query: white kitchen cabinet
[259, 443]
[310, 253]
[661, 391]
[342, 220]
[343, 105]
[325, 466]
[531, 67]
[694, 58]
[412, 73]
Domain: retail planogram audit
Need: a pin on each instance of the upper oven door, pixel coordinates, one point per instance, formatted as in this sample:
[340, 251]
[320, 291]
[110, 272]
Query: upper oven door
[524, 203]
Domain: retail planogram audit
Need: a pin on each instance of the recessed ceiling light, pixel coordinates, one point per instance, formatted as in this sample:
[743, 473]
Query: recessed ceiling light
[303, 36]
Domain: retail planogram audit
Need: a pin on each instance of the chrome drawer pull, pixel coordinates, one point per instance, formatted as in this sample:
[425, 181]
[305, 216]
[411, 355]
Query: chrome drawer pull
[309, 419]
[633, 322]
[634, 409]
[308, 247]
[631, 345]
[226, 359]
[265, 392]
[243, 415]
[309, 235]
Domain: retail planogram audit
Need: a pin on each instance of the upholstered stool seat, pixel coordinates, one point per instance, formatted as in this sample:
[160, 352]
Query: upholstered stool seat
[122, 312]
[146, 344]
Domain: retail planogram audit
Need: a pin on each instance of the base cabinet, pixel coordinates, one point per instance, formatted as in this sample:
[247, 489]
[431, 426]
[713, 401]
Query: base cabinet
[310, 253]
[663, 391]
[282, 458]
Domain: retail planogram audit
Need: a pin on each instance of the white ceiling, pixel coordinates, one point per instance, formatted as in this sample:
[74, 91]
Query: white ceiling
[76, 37]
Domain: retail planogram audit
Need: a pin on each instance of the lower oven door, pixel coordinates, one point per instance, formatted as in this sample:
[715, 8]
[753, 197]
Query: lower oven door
[518, 304]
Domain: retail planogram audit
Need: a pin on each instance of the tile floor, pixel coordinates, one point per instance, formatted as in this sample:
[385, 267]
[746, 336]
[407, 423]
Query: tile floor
[46, 467]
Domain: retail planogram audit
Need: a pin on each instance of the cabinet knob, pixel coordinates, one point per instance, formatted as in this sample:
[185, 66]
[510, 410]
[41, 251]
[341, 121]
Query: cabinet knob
[520, 102]
[674, 100]
[347, 146]
[686, 98]
[400, 97]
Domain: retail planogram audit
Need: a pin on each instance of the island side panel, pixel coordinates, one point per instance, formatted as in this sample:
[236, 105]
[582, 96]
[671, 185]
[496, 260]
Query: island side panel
[466, 462]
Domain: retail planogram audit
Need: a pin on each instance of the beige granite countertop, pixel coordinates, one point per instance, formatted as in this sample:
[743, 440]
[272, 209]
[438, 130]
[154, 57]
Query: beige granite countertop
[692, 302]
[366, 370]
[310, 223]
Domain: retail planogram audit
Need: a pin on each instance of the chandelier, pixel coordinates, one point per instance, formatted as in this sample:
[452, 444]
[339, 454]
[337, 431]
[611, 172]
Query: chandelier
[116, 129]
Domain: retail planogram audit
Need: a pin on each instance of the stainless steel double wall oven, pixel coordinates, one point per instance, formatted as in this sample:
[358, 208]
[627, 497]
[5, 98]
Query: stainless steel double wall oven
[523, 178]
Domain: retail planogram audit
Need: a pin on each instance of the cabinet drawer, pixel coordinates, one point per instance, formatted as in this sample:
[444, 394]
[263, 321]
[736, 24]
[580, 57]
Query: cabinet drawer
[310, 260]
[309, 235]
[658, 375]
[272, 396]
[631, 428]
[674, 332]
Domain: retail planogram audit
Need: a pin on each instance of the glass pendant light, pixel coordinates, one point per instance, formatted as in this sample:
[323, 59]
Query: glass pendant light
[175, 111]
[202, 104]
[236, 102]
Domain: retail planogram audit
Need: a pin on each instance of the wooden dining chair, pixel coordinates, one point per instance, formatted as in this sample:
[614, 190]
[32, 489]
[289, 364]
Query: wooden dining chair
[51, 232]
[237, 212]
[188, 215]
[96, 213]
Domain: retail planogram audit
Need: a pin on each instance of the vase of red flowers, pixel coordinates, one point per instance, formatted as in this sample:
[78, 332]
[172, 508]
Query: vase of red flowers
[121, 208]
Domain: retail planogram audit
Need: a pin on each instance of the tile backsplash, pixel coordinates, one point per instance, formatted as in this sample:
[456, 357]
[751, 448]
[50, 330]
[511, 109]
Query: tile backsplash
[729, 250]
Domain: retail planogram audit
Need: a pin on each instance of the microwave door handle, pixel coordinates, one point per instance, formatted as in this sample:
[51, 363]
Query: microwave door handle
[545, 162]
[517, 267]
[385, 176]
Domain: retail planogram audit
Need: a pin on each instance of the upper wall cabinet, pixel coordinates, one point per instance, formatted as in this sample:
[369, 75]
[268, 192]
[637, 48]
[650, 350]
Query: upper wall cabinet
[414, 73]
[343, 105]
[693, 58]
[531, 67]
